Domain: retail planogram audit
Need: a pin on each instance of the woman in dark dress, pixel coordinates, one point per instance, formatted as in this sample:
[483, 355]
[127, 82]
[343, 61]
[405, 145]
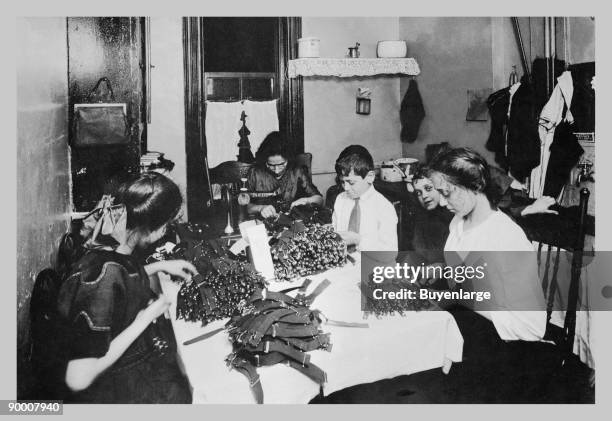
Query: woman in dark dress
[276, 179]
[115, 352]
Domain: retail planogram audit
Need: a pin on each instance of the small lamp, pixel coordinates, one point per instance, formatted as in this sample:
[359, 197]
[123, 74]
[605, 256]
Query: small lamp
[364, 102]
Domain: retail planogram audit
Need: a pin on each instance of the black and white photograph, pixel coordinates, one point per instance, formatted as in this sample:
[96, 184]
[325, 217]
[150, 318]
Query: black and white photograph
[307, 209]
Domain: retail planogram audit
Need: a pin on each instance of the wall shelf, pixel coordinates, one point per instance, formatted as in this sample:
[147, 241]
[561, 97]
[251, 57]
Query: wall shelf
[352, 67]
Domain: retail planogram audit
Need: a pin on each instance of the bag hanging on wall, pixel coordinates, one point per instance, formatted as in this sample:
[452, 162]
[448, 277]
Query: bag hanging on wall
[101, 123]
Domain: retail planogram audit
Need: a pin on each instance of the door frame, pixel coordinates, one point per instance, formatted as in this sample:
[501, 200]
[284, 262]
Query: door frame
[290, 95]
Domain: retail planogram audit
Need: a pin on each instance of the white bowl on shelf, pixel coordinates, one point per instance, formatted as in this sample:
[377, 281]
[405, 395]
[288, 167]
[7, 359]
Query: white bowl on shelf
[308, 47]
[391, 49]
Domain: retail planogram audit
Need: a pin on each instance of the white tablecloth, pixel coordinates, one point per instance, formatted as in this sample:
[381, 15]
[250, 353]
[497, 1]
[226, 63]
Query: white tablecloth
[389, 347]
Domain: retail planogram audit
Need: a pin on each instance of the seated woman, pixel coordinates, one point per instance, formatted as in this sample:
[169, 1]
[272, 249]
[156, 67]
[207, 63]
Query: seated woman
[515, 320]
[276, 177]
[115, 353]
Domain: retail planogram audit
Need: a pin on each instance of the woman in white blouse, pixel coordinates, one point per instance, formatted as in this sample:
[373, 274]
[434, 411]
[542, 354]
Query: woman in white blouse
[516, 311]
[462, 177]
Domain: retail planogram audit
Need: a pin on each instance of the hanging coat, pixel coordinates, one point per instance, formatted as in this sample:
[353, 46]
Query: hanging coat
[583, 102]
[560, 149]
[498, 103]
[523, 138]
[411, 113]
[565, 152]
[515, 139]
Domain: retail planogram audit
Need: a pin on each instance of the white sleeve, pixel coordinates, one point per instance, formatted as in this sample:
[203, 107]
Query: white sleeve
[336, 214]
[388, 230]
[335, 220]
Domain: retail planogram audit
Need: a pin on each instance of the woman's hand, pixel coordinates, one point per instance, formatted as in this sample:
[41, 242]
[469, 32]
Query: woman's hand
[425, 281]
[541, 205]
[181, 268]
[268, 211]
[154, 309]
[300, 202]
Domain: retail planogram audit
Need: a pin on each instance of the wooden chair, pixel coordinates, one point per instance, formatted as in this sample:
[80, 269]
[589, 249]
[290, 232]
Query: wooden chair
[304, 159]
[229, 172]
[553, 234]
[48, 333]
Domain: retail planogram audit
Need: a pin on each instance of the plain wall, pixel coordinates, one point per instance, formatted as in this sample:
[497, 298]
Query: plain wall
[454, 54]
[580, 33]
[330, 120]
[166, 132]
[43, 169]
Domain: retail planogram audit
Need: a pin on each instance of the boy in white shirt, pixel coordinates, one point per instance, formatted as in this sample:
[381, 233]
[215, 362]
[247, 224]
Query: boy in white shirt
[362, 216]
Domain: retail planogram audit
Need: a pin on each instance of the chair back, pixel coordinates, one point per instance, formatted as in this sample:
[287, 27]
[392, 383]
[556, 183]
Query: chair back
[304, 159]
[555, 235]
[47, 338]
[229, 172]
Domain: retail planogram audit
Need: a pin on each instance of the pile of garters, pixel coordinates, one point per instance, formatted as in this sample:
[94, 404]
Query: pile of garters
[221, 286]
[302, 249]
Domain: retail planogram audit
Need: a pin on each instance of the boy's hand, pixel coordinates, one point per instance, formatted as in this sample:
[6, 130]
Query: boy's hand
[351, 238]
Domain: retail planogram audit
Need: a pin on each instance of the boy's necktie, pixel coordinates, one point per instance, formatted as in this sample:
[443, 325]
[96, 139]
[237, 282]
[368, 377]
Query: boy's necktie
[355, 217]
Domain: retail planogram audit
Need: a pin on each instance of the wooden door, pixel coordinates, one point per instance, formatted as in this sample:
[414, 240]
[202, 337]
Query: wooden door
[109, 47]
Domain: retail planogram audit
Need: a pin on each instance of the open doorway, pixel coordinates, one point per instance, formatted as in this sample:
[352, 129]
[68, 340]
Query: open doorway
[234, 59]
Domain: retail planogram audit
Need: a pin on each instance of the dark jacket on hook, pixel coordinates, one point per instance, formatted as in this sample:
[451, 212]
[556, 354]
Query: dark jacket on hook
[538, 77]
[515, 141]
[565, 151]
[411, 113]
[498, 110]
[583, 100]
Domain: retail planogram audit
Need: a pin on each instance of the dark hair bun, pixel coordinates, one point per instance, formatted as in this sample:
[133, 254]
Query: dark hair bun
[152, 200]
[466, 168]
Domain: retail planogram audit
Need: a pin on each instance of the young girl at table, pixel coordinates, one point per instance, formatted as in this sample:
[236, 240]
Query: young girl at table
[503, 338]
[115, 353]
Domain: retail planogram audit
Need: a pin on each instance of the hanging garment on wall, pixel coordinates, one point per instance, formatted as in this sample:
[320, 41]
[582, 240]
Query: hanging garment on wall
[514, 131]
[261, 119]
[411, 113]
[539, 70]
[523, 142]
[583, 102]
[512, 90]
[498, 103]
[560, 150]
[565, 152]
[551, 116]
[222, 124]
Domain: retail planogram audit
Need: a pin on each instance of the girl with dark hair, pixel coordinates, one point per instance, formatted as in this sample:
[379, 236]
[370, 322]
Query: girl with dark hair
[277, 174]
[115, 353]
